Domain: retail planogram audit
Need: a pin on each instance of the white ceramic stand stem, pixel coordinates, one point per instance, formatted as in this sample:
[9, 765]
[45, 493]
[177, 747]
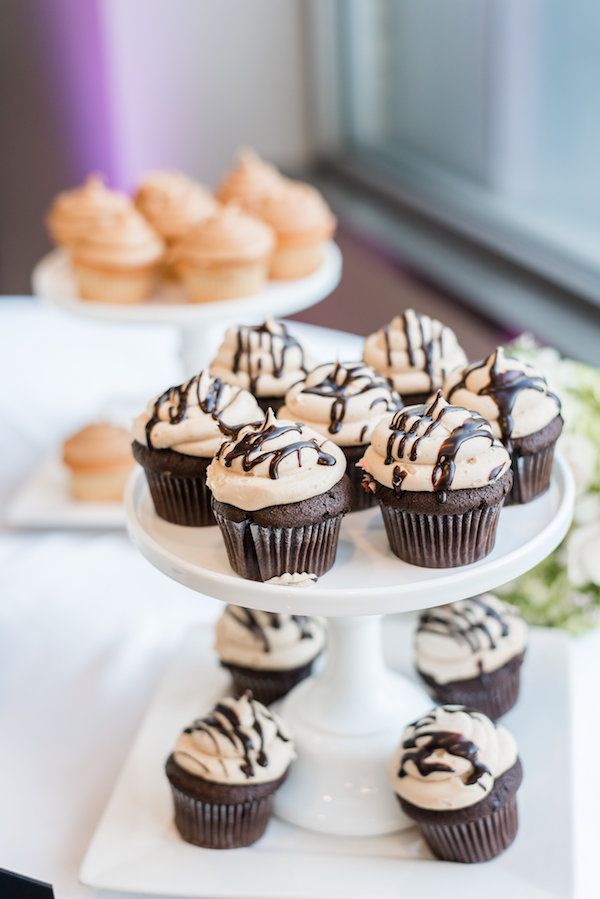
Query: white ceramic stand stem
[346, 722]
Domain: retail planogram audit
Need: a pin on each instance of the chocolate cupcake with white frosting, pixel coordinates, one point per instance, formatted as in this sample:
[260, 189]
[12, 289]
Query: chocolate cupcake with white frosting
[470, 653]
[523, 413]
[415, 353]
[267, 652]
[224, 771]
[440, 477]
[264, 359]
[344, 401]
[456, 774]
[279, 495]
[176, 437]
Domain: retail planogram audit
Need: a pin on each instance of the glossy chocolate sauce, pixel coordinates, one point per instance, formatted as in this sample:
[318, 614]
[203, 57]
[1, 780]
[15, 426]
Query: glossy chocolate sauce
[276, 344]
[338, 386]
[250, 449]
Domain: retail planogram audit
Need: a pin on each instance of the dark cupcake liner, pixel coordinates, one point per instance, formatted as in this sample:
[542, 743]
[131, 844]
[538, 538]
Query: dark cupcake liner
[270, 402]
[220, 825]
[267, 686]
[441, 541]
[260, 553]
[474, 841]
[531, 475]
[361, 498]
[181, 500]
[493, 693]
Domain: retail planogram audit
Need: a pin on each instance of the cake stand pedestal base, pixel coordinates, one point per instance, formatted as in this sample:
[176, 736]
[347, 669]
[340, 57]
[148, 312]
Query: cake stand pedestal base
[346, 723]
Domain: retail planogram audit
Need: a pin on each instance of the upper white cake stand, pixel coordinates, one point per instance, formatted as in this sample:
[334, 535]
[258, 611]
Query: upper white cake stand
[347, 720]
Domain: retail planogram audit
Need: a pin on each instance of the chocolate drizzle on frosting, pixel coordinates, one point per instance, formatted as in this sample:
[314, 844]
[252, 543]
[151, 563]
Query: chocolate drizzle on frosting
[463, 622]
[275, 339]
[251, 621]
[422, 754]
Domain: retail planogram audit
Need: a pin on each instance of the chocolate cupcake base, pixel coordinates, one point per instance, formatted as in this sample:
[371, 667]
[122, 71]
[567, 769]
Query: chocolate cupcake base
[493, 693]
[478, 832]
[177, 485]
[532, 459]
[219, 816]
[416, 399]
[267, 686]
[361, 498]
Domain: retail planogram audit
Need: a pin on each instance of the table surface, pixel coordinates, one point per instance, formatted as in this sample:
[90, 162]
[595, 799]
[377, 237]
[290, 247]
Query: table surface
[87, 625]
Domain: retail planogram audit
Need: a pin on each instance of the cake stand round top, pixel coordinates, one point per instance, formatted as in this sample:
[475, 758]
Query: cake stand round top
[53, 280]
[367, 579]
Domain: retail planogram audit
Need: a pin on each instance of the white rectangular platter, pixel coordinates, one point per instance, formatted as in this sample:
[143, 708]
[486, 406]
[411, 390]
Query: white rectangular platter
[136, 848]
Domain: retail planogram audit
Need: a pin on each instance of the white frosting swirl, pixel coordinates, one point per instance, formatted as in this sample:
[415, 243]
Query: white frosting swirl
[415, 352]
[434, 447]
[343, 401]
[468, 751]
[193, 418]
[461, 640]
[265, 359]
[268, 641]
[239, 742]
[274, 463]
[512, 395]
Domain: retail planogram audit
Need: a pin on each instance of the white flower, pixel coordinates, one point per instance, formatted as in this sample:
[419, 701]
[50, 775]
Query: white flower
[580, 454]
[583, 554]
[587, 508]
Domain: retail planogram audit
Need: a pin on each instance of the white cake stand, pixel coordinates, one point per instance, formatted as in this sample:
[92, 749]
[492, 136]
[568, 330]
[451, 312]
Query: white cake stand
[347, 719]
[200, 325]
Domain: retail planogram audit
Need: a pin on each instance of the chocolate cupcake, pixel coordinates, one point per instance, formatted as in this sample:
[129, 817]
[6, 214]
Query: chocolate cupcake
[279, 495]
[266, 652]
[470, 653]
[264, 359]
[415, 353]
[456, 774]
[177, 436]
[224, 772]
[344, 401]
[522, 411]
[440, 477]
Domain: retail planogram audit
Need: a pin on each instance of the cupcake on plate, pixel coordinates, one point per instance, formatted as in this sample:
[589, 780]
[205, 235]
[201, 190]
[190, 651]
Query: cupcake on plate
[302, 222]
[224, 772]
[470, 653]
[267, 652]
[118, 260]
[265, 359]
[344, 401]
[76, 212]
[279, 495]
[177, 436]
[456, 774]
[514, 397]
[99, 461]
[249, 180]
[173, 203]
[440, 477]
[415, 353]
[224, 257]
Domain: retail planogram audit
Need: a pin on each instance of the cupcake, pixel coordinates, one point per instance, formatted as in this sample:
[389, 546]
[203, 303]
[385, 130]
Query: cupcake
[249, 180]
[414, 352]
[99, 461]
[470, 653]
[440, 477]
[302, 222]
[344, 401]
[265, 359]
[224, 257]
[173, 203]
[74, 213]
[456, 775]
[118, 260]
[279, 495]
[224, 772]
[266, 652]
[522, 411]
[177, 436]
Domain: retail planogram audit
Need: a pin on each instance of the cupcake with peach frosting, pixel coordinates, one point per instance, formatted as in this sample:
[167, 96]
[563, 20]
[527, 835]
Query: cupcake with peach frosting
[225, 256]
[173, 203]
[251, 179]
[99, 461]
[75, 212]
[119, 260]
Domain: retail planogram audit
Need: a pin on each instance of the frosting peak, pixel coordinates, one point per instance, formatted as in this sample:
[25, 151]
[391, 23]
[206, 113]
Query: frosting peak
[268, 641]
[229, 235]
[74, 212]
[295, 209]
[250, 179]
[122, 240]
[173, 203]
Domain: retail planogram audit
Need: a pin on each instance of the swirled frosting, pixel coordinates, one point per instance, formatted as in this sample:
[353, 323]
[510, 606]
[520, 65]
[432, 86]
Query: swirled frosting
[343, 401]
[415, 352]
[265, 359]
[461, 640]
[296, 212]
[274, 463]
[239, 742]
[227, 237]
[124, 240]
[512, 395]
[434, 447]
[450, 758]
[194, 418]
[249, 180]
[268, 641]
[173, 203]
[74, 212]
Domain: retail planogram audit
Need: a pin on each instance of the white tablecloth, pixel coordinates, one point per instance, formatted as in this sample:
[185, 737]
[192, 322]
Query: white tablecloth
[86, 625]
